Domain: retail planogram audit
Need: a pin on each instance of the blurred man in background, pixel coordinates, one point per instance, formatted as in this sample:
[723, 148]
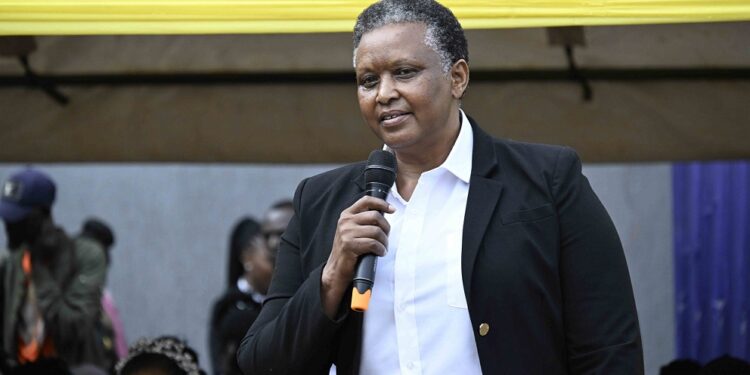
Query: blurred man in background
[275, 222]
[51, 284]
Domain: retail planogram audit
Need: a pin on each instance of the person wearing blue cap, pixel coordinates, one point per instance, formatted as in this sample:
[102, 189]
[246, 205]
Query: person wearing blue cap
[51, 284]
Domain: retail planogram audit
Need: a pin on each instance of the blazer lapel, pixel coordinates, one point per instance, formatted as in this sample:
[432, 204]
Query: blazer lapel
[484, 193]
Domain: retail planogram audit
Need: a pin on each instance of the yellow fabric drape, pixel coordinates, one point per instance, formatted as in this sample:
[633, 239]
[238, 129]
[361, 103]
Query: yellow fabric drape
[78, 17]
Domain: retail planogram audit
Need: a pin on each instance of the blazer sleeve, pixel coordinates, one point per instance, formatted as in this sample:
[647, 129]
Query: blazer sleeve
[601, 324]
[292, 334]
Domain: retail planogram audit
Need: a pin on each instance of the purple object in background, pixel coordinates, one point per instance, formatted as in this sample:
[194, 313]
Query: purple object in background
[712, 259]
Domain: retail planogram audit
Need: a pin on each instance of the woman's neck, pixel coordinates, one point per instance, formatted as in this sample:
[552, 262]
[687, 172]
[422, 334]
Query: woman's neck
[412, 163]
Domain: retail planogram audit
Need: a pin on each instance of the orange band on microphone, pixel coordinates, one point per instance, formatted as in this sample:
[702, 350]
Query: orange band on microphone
[26, 262]
[360, 301]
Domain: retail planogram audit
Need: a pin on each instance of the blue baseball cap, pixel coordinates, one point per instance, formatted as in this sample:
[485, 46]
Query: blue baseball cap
[24, 191]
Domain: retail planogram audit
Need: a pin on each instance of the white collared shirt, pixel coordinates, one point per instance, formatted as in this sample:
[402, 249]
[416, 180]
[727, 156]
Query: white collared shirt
[418, 320]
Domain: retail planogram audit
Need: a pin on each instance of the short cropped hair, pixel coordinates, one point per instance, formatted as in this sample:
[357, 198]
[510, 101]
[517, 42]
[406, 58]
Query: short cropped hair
[283, 205]
[444, 33]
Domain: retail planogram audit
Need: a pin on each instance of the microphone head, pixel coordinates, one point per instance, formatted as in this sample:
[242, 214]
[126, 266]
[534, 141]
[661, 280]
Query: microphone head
[381, 168]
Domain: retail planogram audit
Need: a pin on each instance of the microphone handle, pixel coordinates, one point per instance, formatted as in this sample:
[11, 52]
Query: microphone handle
[364, 274]
[363, 281]
[377, 190]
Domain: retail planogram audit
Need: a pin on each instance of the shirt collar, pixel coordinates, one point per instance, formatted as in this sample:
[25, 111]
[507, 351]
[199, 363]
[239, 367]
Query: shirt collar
[458, 161]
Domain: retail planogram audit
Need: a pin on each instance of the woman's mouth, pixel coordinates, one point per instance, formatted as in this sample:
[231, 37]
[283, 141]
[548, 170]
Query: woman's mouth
[393, 119]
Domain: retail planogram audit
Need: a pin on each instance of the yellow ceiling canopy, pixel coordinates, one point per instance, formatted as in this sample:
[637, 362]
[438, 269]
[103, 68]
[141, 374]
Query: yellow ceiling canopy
[80, 17]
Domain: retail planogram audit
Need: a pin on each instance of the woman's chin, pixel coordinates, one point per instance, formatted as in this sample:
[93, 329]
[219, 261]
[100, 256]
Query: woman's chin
[396, 139]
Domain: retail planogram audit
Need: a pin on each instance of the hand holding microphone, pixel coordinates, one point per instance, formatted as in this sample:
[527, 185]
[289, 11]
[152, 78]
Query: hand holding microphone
[361, 231]
[380, 174]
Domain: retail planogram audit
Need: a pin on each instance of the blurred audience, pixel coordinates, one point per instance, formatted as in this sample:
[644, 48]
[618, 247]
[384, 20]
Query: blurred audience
[111, 328]
[165, 355]
[252, 251]
[726, 365]
[52, 284]
[46, 366]
[681, 367]
[243, 232]
[250, 269]
[275, 221]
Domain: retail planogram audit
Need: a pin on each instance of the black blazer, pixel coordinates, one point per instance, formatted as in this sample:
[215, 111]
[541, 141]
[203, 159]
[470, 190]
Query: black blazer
[542, 267]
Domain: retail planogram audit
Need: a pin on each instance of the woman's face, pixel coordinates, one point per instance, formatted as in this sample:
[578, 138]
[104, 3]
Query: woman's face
[405, 97]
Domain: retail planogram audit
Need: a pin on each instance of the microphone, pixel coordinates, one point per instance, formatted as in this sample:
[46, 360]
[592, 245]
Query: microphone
[380, 174]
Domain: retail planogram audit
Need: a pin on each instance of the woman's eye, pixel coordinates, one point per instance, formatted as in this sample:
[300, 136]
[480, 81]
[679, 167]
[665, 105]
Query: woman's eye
[368, 82]
[406, 72]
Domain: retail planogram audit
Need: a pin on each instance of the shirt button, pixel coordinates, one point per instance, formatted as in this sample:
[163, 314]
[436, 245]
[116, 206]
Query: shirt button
[484, 328]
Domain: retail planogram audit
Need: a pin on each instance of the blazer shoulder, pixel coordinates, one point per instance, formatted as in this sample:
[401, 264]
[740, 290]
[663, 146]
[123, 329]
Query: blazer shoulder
[336, 177]
[333, 183]
[541, 167]
[537, 154]
[509, 153]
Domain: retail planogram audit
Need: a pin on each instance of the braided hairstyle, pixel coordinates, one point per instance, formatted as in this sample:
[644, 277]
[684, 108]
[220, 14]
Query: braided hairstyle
[166, 354]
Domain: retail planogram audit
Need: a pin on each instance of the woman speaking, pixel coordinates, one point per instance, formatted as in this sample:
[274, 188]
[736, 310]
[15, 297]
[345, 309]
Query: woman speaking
[494, 256]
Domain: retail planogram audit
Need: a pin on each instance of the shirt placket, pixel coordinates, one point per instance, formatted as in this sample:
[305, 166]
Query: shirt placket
[405, 277]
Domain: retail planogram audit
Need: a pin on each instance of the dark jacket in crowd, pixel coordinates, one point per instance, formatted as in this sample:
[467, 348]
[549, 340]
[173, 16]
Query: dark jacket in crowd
[232, 315]
[69, 276]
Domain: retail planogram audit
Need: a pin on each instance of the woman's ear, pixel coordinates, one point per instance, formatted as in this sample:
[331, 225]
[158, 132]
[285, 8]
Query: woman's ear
[459, 78]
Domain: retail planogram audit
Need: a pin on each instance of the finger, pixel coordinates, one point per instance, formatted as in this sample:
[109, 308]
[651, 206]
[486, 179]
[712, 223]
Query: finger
[369, 246]
[354, 232]
[368, 203]
[372, 218]
[372, 232]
